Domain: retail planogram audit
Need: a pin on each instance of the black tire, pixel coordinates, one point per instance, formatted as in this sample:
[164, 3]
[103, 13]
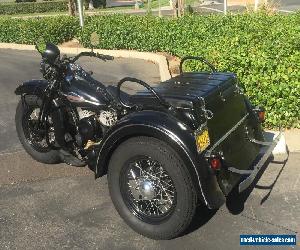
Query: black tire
[48, 155]
[180, 217]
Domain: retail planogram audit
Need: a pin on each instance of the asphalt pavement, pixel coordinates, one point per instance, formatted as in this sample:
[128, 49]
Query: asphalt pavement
[62, 207]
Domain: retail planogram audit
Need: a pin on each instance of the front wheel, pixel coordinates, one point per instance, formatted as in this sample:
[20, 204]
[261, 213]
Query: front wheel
[151, 188]
[34, 143]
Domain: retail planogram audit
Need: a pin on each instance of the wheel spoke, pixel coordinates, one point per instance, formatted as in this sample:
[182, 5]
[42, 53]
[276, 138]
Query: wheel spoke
[34, 135]
[151, 189]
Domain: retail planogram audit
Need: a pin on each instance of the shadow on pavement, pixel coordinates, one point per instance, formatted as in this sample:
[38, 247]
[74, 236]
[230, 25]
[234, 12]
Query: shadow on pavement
[270, 187]
[235, 201]
[201, 217]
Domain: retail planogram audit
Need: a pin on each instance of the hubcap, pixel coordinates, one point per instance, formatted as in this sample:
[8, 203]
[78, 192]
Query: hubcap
[147, 189]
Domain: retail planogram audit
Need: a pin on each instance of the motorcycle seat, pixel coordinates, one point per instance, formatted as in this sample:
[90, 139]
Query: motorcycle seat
[137, 98]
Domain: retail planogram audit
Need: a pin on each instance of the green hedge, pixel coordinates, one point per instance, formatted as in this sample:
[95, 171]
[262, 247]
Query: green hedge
[32, 7]
[27, 31]
[263, 50]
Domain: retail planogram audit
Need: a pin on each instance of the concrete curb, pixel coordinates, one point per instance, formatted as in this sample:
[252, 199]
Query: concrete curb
[290, 138]
[160, 60]
[289, 142]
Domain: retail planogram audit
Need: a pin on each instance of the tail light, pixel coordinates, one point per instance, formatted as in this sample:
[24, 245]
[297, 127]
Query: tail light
[261, 114]
[215, 163]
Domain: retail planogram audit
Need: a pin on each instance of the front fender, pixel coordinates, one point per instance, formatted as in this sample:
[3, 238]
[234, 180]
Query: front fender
[37, 88]
[32, 87]
[170, 130]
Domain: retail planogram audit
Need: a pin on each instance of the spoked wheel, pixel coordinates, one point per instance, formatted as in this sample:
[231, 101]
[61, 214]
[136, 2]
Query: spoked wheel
[35, 135]
[151, 188]
[147, 189]
[32, 138]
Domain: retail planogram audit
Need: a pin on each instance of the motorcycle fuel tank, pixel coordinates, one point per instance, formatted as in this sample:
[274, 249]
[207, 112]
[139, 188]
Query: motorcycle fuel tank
[86, 93]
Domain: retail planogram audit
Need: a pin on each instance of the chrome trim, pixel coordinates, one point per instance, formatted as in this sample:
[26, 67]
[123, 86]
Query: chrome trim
[262, 143]
[209, 151]
[76, 98]
[239, 171]
[207, 113]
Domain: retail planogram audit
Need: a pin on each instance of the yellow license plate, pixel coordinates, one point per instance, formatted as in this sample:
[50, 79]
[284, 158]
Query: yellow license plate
[202, 140]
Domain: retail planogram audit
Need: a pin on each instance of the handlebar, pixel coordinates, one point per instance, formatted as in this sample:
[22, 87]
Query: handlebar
[58, 68]
[92, 54]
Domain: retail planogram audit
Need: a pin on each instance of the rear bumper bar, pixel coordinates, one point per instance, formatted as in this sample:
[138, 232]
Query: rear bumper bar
[253, 173]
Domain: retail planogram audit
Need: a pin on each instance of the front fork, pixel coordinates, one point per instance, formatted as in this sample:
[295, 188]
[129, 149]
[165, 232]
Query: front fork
[44, 102]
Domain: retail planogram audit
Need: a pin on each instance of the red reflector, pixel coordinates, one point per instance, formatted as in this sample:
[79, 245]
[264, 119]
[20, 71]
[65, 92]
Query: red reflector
[215, 163]
[261, 115]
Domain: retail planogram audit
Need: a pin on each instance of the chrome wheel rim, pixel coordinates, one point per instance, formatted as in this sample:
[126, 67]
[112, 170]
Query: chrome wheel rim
[147, 189]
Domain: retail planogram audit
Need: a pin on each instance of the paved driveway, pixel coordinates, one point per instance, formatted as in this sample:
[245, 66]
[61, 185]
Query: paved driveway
[58, 206]
[289, 5]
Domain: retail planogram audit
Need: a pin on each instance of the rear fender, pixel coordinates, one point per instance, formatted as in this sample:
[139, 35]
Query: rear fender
[170, 130]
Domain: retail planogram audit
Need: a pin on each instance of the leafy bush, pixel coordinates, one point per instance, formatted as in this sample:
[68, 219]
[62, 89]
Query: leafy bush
[32, 7]
[264, 51]
[28, 31]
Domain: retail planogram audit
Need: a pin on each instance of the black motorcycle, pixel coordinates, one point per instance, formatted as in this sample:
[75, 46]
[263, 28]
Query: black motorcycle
[165, 150]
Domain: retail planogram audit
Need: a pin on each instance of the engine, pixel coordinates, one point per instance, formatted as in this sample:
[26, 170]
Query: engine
[92, 125]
